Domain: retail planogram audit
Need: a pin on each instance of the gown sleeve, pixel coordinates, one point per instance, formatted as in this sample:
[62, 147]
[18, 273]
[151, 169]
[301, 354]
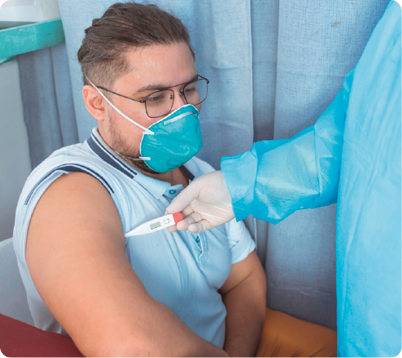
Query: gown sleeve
[277, 177]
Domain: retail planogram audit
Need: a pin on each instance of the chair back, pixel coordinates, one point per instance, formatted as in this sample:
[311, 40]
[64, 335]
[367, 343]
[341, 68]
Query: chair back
[13, 298]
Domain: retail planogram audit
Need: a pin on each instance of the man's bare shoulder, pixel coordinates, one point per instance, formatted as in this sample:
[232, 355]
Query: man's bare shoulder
[77, 204]
[74, 184]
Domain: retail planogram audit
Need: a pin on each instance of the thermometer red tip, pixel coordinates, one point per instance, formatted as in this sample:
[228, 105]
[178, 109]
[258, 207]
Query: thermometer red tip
[177, 217]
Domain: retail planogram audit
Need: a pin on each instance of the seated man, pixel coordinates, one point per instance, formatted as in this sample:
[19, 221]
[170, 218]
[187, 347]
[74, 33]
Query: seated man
[159, 294]
[163, 293]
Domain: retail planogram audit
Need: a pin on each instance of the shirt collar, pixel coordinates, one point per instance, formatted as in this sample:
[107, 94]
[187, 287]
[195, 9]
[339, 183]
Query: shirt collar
[154, 186]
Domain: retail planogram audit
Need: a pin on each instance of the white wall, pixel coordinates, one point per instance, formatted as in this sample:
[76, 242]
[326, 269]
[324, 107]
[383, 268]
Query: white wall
[15, 165]
[23, 12]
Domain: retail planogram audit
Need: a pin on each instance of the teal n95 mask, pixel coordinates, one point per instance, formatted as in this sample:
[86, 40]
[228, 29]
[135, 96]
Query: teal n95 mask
[170, 142]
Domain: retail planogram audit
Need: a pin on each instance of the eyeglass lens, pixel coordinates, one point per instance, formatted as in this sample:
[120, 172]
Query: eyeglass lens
[160, 103]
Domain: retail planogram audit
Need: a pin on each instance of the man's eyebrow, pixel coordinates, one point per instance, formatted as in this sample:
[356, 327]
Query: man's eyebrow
[159, 87]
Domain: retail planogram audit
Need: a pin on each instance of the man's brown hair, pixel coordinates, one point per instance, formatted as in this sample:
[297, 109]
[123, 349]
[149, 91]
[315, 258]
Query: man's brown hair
[123, 27]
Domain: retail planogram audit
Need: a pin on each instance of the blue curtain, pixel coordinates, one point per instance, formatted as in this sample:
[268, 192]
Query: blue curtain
[274, 67]
[47, 101]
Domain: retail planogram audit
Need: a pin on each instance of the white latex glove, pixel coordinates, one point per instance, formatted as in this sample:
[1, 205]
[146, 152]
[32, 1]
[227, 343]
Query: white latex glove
[205, 204]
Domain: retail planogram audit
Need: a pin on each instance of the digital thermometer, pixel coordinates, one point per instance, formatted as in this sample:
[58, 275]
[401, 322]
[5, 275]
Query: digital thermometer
[155, 224]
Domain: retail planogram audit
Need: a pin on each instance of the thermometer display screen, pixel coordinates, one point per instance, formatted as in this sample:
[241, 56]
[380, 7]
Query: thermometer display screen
[155, 225]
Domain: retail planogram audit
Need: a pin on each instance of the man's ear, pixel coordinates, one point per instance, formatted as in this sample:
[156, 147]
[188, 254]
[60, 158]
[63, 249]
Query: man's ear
[94, 102]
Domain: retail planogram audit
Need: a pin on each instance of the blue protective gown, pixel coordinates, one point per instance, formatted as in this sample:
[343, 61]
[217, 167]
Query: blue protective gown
[352, 155]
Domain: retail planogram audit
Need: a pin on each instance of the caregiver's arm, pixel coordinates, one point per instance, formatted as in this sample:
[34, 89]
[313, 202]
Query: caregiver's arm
[244, 295]
[76, 257]
[275, 178]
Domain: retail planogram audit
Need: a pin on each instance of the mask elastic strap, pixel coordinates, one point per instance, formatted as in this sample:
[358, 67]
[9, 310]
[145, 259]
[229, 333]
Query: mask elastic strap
[133, 158]
[146, 130]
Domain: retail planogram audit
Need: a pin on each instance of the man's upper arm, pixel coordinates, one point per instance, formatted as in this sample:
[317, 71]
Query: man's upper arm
[76, 257]
[248, 269]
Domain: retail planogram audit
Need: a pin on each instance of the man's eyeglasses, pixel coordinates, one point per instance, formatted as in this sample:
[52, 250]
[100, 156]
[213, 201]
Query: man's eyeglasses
[160, 103]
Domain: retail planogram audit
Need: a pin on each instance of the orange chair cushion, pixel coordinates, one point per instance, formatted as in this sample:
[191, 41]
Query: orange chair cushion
[287, 336]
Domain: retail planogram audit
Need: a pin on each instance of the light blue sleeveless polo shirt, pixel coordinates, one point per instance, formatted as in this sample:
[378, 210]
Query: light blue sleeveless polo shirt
[181, 270]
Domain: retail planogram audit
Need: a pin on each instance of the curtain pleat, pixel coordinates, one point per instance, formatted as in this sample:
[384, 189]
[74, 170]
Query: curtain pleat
[47, 101]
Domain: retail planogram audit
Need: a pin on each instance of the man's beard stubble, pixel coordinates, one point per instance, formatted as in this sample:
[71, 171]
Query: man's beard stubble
[118, 145]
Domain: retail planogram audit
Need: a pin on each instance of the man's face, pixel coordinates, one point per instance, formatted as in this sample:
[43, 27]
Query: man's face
[153, 68]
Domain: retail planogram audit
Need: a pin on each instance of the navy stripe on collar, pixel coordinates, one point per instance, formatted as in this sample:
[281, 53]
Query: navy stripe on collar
[103, 153]
[187, 172]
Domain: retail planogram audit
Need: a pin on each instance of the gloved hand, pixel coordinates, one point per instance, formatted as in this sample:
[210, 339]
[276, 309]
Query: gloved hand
[205, 204]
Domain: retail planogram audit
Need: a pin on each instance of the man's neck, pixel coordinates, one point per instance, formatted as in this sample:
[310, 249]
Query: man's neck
[174, 177]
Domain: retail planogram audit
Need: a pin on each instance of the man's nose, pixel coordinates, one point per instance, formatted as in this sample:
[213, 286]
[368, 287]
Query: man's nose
[179, 100]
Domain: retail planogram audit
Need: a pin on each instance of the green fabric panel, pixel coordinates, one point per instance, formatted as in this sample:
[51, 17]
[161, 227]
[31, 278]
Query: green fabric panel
[27, 38]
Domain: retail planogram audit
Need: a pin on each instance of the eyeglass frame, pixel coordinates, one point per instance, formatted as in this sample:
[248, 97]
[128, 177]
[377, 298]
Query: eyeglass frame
[168, 88]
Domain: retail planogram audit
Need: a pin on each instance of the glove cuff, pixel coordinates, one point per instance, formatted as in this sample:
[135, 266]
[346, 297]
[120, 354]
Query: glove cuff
[240, 173]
